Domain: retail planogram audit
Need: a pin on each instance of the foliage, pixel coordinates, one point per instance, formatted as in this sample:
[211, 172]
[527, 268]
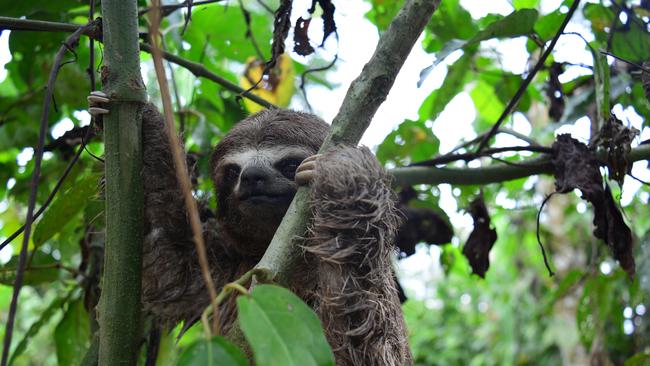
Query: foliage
[591, 311]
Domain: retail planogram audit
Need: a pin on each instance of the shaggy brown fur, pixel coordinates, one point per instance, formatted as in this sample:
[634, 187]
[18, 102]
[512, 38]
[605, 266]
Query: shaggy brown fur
[346, 275]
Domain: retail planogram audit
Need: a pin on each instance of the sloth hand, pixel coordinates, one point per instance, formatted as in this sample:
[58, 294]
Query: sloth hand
[306, 170]
[97, 101]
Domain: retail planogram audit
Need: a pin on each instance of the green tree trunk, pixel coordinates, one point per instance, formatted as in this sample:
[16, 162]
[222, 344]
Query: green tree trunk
[119, 314]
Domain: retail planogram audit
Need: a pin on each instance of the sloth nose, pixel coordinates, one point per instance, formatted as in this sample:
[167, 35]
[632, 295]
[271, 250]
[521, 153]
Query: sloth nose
[254, 176]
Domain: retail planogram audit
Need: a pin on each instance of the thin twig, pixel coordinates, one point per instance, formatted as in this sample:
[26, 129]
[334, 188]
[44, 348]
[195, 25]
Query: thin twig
[180, 163]
[196, 69]
[645, 69]
[539, 240]
[57, 186]
[73, 39]
[168, 9]
[522, 88]
[448, 158]
[303, 77]
[249, 32]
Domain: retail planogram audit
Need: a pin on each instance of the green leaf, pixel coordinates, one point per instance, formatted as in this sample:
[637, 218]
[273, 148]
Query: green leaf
[282, 329]
[632, 43]
[42, 269]
[25, 8]
[521, 4]
[216, 352]
[547, 26]
[72, 335]
[224, 28]
[33, 330]
[453, 84]
[518, 23]
[487, 103]
[601, 80]
[64, 208]
[411, 141]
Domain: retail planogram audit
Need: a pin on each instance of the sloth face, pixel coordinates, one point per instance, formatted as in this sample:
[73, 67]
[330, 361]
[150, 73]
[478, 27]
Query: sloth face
[255, 187]
[253, 169]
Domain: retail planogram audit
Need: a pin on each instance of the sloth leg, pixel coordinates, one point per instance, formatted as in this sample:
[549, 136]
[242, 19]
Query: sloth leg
[351, 237]
[172, 285]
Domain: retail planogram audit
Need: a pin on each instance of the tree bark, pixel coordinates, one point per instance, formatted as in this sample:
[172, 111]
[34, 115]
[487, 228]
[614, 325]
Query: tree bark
[119, 314]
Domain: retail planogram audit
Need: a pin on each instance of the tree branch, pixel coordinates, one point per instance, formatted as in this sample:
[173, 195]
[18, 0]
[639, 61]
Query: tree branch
[196, 69]
[365, 95]
[522, 88]
[491, 174]
[119, 332]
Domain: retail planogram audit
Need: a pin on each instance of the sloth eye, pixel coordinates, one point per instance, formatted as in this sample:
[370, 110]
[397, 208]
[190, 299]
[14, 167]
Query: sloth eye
[288, 167]
[231, 172]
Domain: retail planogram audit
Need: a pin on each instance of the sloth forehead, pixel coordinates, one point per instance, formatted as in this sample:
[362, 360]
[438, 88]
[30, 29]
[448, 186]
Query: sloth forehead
[267, 155]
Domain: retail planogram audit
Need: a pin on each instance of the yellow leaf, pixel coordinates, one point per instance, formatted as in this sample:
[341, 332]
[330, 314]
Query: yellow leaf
[277, 87]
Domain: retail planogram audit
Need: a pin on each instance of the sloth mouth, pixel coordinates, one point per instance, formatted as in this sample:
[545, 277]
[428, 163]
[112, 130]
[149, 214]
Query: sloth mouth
[265, 198]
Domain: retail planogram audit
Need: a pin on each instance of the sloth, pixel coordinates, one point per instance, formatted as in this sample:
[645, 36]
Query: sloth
[345, 273]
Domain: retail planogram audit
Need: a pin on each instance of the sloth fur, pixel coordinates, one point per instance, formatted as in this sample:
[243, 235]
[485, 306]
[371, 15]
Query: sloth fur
[346, 274]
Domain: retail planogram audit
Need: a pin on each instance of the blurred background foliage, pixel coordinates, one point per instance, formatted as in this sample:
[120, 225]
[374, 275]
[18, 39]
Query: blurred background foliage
[590, 312]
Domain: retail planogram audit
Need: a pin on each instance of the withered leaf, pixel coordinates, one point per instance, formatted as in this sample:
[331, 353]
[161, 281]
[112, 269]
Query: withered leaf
[421, 224]
[577, 168]
[482, 238]
[554, 91]
[329, 26]
[301, 38]
[616, 139]
[281, 26]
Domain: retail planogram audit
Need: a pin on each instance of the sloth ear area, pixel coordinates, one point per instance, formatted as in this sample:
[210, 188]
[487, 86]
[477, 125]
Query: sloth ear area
[97, 100]
[306, 170]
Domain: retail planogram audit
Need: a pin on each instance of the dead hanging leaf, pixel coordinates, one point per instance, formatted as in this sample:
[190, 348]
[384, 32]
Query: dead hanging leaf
[301, 38]
[554, 91]
[616, 139]
[422, 224]
[577, 168]
[481, 240]
[281, 26]
[329, 26]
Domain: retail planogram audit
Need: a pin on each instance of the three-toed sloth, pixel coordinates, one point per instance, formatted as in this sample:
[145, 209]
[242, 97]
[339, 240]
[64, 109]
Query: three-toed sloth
[346, 272]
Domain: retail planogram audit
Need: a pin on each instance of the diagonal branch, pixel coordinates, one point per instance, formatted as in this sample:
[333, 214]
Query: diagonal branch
[522, 88]
[365, 95]
[196, 69]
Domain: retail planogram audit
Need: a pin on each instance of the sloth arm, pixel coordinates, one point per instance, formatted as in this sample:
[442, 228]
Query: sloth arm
[351, 237]
[172, 285]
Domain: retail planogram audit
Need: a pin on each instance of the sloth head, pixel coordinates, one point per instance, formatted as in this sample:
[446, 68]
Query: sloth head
[253, 169]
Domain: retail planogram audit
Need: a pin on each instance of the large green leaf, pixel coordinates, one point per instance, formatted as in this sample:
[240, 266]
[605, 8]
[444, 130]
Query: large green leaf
[282, 329]
[215, 352]
[411, 141]
[33, 330]
[455, 80]
[42, 268]
[26, 8]
[518, 23]
[224, 28]
[64, 208]
[72, 335]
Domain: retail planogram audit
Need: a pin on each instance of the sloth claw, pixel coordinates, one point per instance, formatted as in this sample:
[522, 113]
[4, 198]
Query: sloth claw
[97, 101]
[306, 170]
[95, 111]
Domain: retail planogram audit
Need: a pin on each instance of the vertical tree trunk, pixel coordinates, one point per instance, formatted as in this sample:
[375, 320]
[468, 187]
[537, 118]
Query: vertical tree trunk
[120, 300]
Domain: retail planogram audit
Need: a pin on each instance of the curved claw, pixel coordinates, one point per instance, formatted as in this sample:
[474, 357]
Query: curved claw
[97, 99]
[306, 170]
[96, 111]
